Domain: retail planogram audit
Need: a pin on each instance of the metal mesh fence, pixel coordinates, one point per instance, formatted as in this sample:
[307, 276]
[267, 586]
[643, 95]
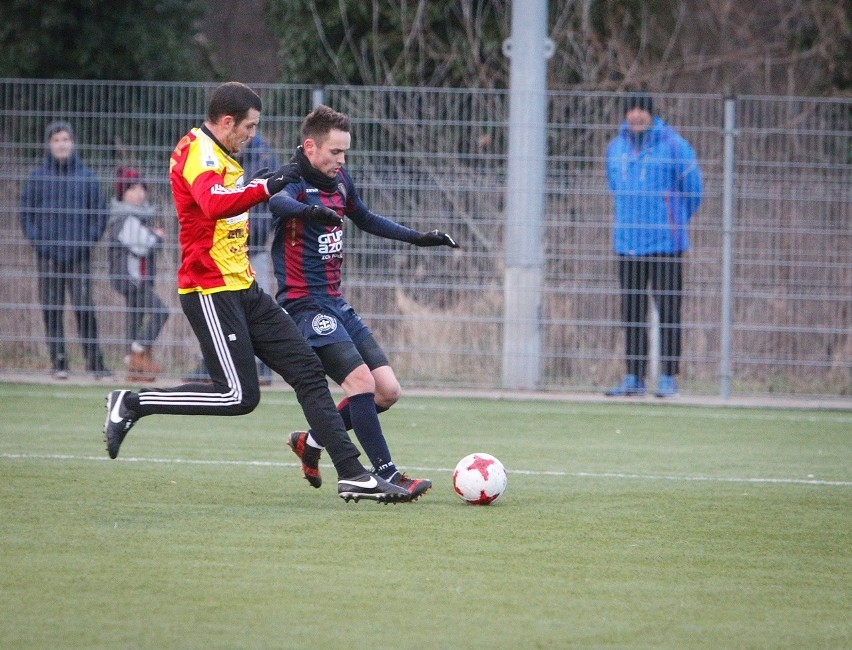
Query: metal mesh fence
[437, 158]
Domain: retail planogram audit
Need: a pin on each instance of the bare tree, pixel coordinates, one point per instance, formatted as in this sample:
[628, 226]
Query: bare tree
[378, 42]
[760, 46]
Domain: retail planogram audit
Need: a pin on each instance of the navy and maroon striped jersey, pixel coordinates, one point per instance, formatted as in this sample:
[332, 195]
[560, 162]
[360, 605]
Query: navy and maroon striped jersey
[308, 256]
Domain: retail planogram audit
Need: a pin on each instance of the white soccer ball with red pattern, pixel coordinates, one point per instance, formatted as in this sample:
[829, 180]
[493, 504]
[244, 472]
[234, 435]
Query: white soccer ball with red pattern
[479, 479]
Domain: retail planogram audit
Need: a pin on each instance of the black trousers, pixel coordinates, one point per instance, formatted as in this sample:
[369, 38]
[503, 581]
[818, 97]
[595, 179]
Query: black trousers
[53, 280]
[663, 274]
[232, 328]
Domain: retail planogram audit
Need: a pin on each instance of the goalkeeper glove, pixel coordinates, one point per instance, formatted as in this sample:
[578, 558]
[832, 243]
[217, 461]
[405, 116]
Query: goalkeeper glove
[435, 238]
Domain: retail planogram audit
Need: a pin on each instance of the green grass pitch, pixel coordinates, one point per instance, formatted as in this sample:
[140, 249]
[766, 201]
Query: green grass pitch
[651, 525]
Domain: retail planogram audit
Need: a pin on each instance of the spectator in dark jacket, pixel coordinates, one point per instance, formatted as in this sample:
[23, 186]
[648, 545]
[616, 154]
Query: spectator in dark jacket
[63, 214]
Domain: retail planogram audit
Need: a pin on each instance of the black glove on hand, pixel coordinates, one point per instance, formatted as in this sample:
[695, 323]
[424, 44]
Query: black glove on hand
[323, 215]
[282, 177]
[435, 238]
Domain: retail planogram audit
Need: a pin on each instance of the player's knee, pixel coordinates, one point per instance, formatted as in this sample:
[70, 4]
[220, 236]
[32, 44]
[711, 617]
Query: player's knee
[249, 402]
[388, 394]
[359, 381]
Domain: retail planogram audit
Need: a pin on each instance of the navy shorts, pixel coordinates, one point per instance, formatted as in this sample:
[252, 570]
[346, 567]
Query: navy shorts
[324, 321]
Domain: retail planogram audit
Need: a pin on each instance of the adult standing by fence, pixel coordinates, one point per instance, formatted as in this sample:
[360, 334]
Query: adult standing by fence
[656, 186]
[63, 215]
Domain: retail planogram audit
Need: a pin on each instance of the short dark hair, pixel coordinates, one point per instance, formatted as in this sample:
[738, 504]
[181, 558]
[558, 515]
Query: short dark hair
[639, 99]
[234, 99]
[56, 127]
[320, 122]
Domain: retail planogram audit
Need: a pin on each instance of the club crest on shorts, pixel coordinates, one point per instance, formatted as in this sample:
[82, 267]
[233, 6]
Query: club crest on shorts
[324, 324]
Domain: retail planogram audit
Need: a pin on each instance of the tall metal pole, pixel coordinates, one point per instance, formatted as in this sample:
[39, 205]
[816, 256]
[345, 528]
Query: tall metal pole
[528, 49]
[728, 162]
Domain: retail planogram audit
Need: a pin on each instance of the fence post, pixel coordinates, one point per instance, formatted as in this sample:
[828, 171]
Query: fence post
[654, 342]
[528, 50]
[728, 162]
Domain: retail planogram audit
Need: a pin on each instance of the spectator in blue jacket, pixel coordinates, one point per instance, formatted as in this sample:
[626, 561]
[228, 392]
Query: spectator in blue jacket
[63, 215]
[656, 186]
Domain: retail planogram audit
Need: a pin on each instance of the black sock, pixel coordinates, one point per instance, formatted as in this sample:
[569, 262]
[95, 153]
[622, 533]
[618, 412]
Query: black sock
[131, 402]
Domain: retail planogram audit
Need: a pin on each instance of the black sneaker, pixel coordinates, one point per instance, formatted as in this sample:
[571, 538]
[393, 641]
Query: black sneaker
[298, 442]
[370, 486]
[414, 486]
[118, 422]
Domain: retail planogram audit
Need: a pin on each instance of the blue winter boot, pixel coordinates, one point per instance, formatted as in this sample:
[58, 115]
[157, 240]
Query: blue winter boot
[630, 385]
[667, 386]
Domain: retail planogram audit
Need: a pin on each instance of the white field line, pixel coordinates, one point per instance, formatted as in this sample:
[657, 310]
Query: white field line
[523, 472]
[556, 406]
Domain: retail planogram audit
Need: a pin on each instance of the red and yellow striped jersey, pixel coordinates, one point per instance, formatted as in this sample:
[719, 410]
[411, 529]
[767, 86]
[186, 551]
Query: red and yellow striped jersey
[212, 210]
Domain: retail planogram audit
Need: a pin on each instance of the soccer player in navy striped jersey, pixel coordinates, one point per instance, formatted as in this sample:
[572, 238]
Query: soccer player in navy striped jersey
[307, 258]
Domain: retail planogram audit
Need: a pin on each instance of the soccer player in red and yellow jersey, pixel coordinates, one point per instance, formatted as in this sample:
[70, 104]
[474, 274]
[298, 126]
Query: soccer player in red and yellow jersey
[233, 319]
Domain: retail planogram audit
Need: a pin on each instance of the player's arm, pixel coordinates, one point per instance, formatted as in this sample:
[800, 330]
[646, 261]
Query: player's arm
[381, 226]
[285, 206]
[220, 202]
[193, 173]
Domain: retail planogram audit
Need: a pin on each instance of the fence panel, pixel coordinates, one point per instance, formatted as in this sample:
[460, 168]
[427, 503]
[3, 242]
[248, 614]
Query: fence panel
[793, 245]
[436, 158]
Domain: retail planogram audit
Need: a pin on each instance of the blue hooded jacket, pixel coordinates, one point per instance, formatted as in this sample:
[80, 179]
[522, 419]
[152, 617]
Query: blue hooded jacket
[63, 212]
[656, 184]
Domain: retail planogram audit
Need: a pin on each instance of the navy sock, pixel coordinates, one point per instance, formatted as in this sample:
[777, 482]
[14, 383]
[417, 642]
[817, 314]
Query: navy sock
[365, 423]
[346, 414]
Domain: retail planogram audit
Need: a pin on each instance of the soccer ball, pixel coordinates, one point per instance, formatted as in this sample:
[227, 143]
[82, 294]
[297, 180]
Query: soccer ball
[479, 479]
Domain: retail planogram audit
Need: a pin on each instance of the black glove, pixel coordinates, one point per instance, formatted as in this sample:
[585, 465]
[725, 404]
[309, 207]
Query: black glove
[435, 238]
[323, 215]
[282, 177]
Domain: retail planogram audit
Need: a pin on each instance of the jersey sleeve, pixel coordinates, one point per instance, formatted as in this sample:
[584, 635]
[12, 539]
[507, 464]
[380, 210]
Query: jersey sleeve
[373, 223]
[204, 177]
[286, 205]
